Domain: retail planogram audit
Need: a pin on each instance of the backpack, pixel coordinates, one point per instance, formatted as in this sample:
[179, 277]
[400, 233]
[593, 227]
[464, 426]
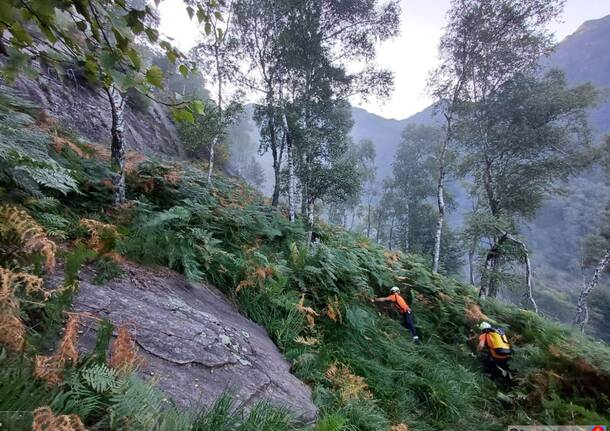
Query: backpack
[498, 342]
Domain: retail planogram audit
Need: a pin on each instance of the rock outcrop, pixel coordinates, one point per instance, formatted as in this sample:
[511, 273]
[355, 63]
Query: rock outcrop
[195, 344]
[74, 103]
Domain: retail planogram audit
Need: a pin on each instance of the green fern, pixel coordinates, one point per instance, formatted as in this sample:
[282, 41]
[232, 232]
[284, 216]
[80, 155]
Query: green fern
[101, 378]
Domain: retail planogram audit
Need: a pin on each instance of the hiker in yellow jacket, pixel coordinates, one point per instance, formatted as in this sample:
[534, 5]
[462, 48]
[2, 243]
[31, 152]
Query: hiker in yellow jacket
[495, 343]
[403, 308]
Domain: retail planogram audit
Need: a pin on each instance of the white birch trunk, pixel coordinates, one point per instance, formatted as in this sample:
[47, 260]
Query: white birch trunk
[219, 95]
[211, 166]
[117, 148]
[439, 222]
[582, 310]
[291, 180]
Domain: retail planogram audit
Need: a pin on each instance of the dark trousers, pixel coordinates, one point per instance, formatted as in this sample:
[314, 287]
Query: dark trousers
[408, 322]
[494, 366]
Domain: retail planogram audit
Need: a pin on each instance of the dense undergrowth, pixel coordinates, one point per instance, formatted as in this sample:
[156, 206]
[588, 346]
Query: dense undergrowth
[365, 372]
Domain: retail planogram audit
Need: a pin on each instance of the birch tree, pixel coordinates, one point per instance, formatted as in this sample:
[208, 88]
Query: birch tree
[597, 246]
[216, 53]
[484, 44]
[536, 135]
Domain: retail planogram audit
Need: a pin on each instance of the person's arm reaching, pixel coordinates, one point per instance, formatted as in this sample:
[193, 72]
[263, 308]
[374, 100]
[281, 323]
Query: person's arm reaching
[384, 299]
[481, 344]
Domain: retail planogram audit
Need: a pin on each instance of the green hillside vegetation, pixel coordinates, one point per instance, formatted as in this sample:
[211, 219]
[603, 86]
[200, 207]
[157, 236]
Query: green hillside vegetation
[365, 372]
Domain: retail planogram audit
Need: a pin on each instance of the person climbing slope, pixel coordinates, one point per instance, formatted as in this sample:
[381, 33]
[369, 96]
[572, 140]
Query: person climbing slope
[495, 342]
[403, 308]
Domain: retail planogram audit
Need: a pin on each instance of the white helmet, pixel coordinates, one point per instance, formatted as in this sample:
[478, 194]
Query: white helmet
[484, 325]
[395, 289]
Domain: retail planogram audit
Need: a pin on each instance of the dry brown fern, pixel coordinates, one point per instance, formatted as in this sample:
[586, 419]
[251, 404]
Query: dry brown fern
[28, 232]
[50, 368]
[400, 427]
[11, 281]
[258, 277]
[123, 353]
[45, 420]
[310, 313]
[349, 385]
[67, 346]
[307, 341]
[12, 331]
[59, 143]
[333, 311]
[98, 233]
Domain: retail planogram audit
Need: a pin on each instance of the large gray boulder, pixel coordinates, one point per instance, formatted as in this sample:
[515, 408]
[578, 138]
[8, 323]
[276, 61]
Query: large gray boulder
[194, 342]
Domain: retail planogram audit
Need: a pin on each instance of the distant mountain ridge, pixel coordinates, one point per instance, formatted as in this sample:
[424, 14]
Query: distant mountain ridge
[584, 56]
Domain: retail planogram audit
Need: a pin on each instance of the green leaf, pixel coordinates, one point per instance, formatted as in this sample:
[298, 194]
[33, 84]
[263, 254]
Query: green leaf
[218, 16]
[154, 76]
[81, 25]
[152, 34]
[183, 115]
[171, 55]
[20, 33]
[183, 70]
[190, 11]
[134, 56]
[121, 41]
[134, 21]
[197, 107]
[6, 11]
[220, 33]
[91, 69]
[208, 28]
[201, 16]
[108, 60]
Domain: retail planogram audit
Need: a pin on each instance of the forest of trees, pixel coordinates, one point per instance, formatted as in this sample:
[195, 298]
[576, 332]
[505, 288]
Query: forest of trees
[512, 132]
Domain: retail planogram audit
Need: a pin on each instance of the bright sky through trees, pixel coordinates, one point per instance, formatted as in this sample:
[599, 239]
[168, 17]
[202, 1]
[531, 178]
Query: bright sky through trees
[410, 56]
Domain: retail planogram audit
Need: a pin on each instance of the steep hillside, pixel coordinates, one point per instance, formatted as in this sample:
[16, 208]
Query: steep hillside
[314, 301]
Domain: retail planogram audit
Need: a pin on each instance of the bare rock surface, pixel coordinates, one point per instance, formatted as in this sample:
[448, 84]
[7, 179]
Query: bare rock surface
[78, 106]
[194, 342]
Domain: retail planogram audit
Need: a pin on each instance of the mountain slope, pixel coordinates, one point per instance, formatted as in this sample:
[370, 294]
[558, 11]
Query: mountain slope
[365, 372]
[584, 56]
[385, 133]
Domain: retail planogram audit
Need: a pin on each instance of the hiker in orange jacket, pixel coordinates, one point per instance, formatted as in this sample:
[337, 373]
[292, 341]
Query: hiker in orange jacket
[403, 308]
[498, 349]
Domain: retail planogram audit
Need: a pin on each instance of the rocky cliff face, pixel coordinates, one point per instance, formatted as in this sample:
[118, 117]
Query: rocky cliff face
[78, 106]
[195, 344]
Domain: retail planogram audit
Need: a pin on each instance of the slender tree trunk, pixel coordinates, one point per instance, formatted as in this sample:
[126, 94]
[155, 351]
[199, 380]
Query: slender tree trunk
[471, 252]
[351, 226]
[440, 198]
[368, 220]
[117, 148]
[528, 271]
[220, 125]
[391, 231]
[276, 174]
[489, 282]
[290, 161]
[528, 283]
[582, 310]
[378, 233]
[440, 220]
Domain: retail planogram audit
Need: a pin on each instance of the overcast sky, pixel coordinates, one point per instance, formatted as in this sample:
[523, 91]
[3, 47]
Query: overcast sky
[410, 56]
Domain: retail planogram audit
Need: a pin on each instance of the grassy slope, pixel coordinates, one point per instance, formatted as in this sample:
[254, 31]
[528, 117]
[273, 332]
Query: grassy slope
[365, 372]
